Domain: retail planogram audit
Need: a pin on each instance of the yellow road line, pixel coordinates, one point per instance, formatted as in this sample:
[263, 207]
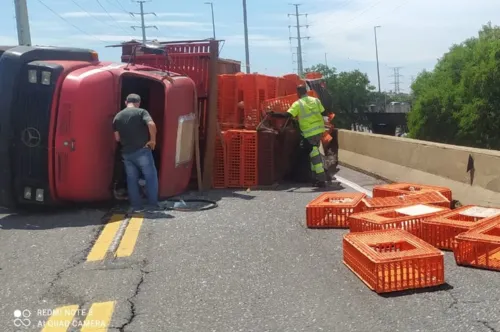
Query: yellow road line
[60, 319]
[99, 317]
[102, 244]
[129, 239]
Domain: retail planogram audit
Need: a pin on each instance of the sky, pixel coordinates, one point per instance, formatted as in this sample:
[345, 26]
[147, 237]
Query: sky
[413, 34]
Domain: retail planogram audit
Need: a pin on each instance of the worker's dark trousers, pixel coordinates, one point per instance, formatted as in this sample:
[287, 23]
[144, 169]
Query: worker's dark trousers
[316, 160]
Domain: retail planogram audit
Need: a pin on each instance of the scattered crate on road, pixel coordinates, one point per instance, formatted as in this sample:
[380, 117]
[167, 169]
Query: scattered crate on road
[395, 189]
[332, 210]
[408, 218]
[480, 246]
[440, 231]
[393, 260]
[429, 197]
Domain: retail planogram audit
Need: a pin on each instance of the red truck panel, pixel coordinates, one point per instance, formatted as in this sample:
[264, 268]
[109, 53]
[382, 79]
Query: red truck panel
[84, 142]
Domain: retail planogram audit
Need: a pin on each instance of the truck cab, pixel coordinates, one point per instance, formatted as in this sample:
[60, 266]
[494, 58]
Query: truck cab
[56, 138]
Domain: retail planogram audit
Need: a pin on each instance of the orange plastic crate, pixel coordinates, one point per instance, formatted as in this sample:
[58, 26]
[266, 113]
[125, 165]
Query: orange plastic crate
[440, 231]
[332, 210]
[427, 197]
[252, 90]
[220, 175]
[395, 189]
[393, 260]
[249, 166]
[233, 154]
[241, 162]
[408, 218]
[227, 102]
[282, 104]
[480, 246]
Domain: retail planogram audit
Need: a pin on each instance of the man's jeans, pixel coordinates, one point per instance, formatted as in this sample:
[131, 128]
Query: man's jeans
[141, 161]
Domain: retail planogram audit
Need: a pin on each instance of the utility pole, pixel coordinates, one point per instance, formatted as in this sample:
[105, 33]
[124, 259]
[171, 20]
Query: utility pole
[23, 23]
[397, 81]
[296, 53]
[143, 27]
[376, 54]
[213, 17]
[299, 38]
[245, 26]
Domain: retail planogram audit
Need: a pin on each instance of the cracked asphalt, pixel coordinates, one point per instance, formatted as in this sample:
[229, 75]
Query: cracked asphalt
[249, 265]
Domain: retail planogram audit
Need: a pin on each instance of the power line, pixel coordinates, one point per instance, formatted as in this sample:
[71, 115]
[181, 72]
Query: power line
[95, 17]
[397, 81]
[110, 16]
[143, 27]
[300, 62]
[68, 22]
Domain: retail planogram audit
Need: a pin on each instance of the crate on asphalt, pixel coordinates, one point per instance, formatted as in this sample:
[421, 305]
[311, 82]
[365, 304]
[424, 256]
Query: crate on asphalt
[480, 246]
[440, 231]
[332, 210]
[426, 197]
[393, 260]
[396, 189]
[408, 218]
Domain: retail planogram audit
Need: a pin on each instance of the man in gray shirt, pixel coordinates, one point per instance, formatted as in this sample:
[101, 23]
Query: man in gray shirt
[136, 131]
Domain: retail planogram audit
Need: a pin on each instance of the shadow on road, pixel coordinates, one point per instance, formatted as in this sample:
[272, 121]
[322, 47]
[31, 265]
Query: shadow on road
[445, 287]
[42, 217]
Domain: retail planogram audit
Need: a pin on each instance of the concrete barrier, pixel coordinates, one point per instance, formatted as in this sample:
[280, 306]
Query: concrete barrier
[406, 160]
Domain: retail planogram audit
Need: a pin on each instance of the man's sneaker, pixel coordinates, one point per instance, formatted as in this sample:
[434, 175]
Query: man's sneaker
[135, 210]
[155, 208]
[319, 184]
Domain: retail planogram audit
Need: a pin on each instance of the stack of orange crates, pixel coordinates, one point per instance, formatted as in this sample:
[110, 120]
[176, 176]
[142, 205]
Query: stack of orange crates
[241, 100]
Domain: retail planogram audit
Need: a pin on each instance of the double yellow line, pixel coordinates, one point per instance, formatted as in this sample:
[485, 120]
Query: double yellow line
[119, 230]
[97, 318]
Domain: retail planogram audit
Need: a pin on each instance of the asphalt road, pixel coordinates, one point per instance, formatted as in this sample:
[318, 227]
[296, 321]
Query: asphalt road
[249, 265]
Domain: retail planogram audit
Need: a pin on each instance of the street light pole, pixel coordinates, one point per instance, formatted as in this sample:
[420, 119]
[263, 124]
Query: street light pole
[245, 24]
[213, 18]
[376, 54]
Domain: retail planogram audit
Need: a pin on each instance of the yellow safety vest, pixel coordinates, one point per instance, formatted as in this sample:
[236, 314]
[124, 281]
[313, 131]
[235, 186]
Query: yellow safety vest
[310, 119]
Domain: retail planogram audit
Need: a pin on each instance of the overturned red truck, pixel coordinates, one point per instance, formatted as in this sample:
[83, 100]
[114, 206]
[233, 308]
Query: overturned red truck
[56, 142]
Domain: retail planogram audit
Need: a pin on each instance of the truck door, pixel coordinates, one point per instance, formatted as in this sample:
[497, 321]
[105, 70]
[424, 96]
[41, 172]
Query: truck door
[178, 137]
[84, 143]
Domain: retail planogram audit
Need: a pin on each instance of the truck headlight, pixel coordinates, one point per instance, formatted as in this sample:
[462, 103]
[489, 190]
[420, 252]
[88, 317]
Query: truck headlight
[46, 75]
[27, 193]
[39, 195]
[32, 76]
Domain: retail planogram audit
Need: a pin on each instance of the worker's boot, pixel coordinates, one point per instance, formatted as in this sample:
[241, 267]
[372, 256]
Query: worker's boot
[319, 184]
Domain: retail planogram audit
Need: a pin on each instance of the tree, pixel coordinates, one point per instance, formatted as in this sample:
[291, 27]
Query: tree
[459, 101]
[351, 92]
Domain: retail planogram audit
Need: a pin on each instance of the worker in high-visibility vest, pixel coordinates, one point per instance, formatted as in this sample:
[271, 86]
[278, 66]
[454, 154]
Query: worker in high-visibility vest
[308, 110]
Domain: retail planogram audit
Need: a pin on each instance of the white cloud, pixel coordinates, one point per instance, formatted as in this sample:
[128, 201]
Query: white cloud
[257, 40]
[120, 14]
[412, 31]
